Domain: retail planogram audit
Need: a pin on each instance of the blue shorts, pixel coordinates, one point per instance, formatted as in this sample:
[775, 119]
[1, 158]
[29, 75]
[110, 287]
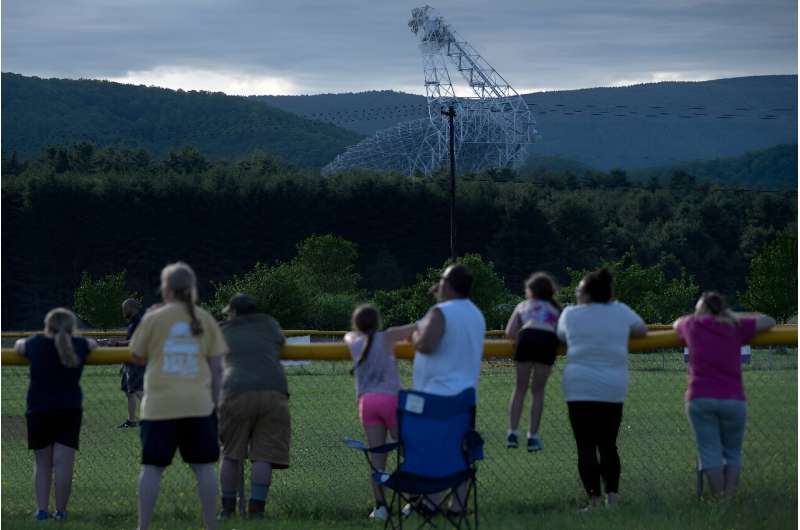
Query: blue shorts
[718, 426]
[196, 438]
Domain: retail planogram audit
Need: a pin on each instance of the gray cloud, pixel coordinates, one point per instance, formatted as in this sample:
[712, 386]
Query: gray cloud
[348, 45]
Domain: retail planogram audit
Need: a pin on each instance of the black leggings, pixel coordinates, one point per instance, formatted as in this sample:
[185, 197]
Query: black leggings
[595, 425]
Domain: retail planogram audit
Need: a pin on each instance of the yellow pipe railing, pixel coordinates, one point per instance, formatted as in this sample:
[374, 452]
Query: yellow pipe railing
[286, 332]
[337, 351]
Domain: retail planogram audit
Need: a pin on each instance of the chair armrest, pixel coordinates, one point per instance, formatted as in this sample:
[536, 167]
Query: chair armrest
[384, 448]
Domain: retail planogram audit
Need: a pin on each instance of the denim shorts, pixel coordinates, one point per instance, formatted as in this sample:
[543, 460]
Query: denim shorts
[718, 426]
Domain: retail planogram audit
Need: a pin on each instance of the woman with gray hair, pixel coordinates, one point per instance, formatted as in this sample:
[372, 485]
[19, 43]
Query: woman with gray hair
[182, 346]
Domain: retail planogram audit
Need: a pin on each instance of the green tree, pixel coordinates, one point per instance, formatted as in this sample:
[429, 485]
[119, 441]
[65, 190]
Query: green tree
[772, 278]
[278, 291]
[318, 288]
[329, 264]
[645, 289]
[98, 301]
[488, 293]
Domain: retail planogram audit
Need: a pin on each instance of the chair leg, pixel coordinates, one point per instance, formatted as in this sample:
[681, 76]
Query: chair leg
[699, 479]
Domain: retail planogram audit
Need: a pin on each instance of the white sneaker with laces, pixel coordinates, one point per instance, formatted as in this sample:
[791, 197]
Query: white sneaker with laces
[380, 513]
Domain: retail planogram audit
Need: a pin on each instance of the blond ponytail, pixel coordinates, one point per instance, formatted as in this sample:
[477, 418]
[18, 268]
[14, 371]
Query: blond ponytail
[60, 323]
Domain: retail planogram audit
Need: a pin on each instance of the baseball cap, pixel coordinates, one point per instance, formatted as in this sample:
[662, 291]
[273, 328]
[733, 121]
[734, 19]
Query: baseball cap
[241, 303]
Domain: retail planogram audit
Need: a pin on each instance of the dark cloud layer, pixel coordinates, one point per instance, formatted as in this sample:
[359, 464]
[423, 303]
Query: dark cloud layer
[348, 45]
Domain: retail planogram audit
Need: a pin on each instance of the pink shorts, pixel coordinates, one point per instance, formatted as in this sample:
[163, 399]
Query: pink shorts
[378, 409]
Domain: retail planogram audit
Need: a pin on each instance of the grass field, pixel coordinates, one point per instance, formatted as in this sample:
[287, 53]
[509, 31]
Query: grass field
[327, 484]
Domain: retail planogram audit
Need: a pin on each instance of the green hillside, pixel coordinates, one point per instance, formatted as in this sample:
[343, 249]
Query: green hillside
[37, 113]
[633, 127]
[775, 167]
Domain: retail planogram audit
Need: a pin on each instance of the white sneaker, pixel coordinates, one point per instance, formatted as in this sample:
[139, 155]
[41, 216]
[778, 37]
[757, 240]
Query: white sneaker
[407, 510]
[380, 513]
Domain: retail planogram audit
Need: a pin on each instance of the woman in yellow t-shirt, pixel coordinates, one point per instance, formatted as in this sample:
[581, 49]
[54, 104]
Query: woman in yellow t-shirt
[182, 346]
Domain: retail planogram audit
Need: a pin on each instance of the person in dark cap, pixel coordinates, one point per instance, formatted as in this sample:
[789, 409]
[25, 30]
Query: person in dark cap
[132, 375]
[254, 407]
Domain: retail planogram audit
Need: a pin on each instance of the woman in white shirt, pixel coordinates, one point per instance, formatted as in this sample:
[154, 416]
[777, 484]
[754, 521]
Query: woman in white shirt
[595, 382]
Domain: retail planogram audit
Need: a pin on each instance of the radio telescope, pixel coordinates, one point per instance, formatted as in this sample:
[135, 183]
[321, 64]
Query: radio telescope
[493, 124]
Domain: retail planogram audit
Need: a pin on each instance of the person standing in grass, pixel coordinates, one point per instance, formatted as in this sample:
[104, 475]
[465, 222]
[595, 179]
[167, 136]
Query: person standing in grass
[254, 406]
[132, 383]
[595, 379]
[54, 406]
[715, 400]
[182, 347]
[377, 385]
[532, 327]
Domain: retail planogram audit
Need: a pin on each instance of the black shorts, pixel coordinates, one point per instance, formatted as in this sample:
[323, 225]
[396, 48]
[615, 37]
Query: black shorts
[537, 346]
[196, 438]
[62, 426]
[132, 378]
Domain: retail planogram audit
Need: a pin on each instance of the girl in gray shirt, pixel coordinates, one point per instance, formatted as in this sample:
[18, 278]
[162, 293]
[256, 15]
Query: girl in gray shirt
[377, 384]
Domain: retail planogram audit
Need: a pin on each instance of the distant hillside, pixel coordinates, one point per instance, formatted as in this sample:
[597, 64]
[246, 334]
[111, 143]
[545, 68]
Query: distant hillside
[775, 168]
[38, 112]
[657, 124]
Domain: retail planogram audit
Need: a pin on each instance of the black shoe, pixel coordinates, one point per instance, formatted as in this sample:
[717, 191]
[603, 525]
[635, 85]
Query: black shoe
[127, 424]
[224, 515]
[256, 509]
[228, 508]
[511, 441]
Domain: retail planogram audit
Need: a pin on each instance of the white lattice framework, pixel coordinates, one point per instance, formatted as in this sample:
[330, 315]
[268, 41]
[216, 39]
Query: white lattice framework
[493, 125]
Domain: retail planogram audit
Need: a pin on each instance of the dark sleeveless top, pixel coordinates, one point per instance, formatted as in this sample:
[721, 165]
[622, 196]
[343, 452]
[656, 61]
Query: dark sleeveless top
[53, 386]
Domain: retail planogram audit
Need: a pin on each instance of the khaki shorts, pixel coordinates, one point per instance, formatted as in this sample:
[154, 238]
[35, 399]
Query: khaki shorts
[256, 425]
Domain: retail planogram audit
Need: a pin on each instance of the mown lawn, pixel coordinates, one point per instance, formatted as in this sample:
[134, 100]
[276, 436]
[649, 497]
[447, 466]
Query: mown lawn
[327, 487]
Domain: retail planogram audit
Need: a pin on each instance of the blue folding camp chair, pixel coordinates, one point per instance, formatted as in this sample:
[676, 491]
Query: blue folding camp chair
[437, 450]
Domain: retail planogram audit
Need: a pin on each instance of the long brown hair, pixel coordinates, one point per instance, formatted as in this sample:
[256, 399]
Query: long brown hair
[180, 279]
[61, 323]
[367, 320]
[543, 287]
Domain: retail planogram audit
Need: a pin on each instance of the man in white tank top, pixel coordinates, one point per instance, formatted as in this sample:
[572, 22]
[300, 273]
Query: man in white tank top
[449, 339]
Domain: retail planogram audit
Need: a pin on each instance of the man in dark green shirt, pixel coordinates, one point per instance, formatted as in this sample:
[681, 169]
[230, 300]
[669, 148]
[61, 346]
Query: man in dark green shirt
[254, 408]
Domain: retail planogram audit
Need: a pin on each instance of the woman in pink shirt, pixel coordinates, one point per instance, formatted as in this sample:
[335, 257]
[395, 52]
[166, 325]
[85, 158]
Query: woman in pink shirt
[715, 400]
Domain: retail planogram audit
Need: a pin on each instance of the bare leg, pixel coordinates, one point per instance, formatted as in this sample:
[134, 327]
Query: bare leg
[131, 407]
[149, 482]
[261, 473]
[42, 476]
[540, 374]
[260, 482]
[731, 473]
[63, 464]
[376, 435]
[523, 374]
[715, 480]
[207, 490]
[229, 474]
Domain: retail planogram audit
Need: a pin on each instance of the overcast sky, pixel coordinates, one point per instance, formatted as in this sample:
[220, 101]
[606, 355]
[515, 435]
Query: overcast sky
[314, 46]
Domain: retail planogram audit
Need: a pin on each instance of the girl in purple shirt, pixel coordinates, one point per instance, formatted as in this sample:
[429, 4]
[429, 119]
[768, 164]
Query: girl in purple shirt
[715, 400]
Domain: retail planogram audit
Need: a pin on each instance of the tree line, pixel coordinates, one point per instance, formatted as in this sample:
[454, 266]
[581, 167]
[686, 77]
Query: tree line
[99, 211]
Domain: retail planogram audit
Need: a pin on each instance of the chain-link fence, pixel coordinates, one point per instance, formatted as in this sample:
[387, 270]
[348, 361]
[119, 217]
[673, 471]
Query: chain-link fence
[325, 478]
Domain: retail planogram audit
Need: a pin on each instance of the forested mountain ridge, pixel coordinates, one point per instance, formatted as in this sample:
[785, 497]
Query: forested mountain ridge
[634, 127]
[775, 167]
[37, 113]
